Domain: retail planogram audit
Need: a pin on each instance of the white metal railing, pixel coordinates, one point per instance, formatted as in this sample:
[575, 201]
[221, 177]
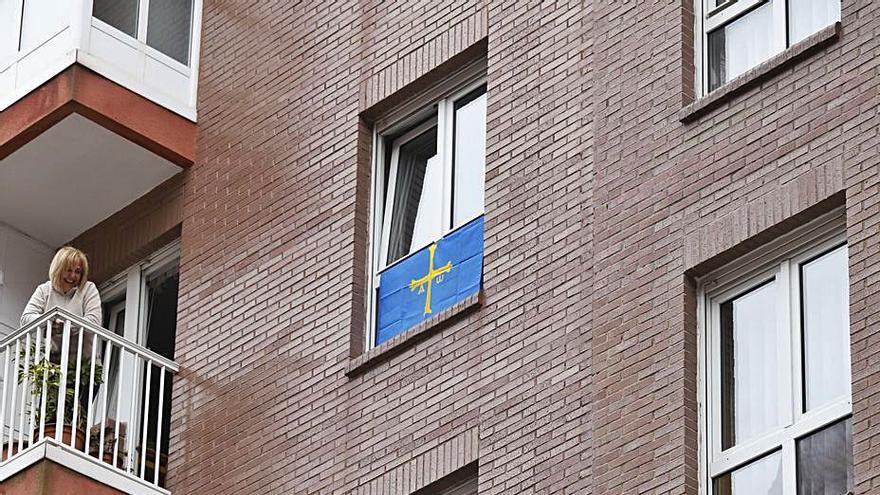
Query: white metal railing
[69, 382]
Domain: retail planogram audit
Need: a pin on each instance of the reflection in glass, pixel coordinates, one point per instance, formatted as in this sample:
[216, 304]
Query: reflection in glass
[169, 26]
[749, 366]
[806, 17]
[761, 477]
[470, 159]
[121, 14]
[824, 461]
[740, 45]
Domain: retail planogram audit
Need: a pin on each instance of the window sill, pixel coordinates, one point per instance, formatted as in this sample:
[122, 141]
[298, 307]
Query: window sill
[414, 335]
[760, 73]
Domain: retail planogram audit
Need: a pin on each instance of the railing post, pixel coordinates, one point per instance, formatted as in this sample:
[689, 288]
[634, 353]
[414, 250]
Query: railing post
[62, 384]
[24, 394]
[15, 388]
[73, 421]
[89, 411]
[146, 419]
[158, 458]
[47, 347]
[6, 377]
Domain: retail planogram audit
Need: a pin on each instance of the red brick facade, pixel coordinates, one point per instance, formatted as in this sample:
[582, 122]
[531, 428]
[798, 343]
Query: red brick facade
[606, 195]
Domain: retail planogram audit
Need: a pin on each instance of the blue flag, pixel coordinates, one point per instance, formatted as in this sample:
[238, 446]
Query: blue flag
[430, 280]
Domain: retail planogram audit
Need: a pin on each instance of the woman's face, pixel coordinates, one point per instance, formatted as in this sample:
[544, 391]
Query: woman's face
[71, 276]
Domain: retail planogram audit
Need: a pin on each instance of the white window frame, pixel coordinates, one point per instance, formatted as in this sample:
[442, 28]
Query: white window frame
[414, 118]
[780, 260]
[715, 14]
[131, 284]
[139, 42]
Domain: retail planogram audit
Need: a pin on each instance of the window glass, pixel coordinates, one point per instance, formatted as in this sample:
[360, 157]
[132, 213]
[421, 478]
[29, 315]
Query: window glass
[169, 26]
[824, 461]
[825, 293]
[740, 45]
[806, 17]
[415, 215]
[761, 477]
[121, 14]
[750, 402]
[469, 170]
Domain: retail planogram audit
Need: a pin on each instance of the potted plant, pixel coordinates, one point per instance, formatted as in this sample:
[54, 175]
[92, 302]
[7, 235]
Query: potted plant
[46, 373]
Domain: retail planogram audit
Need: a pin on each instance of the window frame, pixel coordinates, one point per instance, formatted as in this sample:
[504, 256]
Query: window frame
[781, 260]
[405, 120]
[139, 40]
[712, 15]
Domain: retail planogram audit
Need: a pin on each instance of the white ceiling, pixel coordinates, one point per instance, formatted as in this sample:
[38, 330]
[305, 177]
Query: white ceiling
[73, 176]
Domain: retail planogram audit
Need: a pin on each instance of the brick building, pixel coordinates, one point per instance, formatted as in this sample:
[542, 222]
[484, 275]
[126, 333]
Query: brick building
[676, 197]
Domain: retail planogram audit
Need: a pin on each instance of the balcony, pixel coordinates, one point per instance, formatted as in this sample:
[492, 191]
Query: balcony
[87, 399]
[150, 47]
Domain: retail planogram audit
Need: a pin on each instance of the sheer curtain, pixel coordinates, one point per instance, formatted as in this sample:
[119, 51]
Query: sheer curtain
[806, 17]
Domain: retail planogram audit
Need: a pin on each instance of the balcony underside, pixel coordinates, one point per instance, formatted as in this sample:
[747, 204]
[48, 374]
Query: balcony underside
[80, 148]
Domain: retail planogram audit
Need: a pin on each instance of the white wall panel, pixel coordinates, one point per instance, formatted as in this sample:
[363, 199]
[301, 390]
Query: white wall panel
[165, 79]
[10, 15]
[43, 19]
[122, 57]
[24, 263]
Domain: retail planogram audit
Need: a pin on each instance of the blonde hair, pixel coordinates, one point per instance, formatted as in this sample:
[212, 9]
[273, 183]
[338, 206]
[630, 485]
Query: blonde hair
[64, 259]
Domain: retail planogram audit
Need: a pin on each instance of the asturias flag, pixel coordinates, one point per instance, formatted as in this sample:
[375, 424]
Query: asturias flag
[430, 280]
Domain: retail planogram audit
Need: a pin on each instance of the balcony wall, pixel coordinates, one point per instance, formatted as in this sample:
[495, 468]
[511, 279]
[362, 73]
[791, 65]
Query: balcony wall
[40, 38]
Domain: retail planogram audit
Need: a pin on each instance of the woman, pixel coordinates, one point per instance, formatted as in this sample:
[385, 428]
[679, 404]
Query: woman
[68, 288]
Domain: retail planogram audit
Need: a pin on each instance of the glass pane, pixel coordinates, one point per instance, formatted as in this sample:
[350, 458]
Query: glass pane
[169, 26]
[740, 45]
[42, 20]
[115, 322]
[805, 17]
[121, 14]
[825, 299]
[470, 159]
[824, 461]
[415, 215]
[761, 477]
[750, 401]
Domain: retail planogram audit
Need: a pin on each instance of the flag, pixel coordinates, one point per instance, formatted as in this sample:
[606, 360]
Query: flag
[430, 280]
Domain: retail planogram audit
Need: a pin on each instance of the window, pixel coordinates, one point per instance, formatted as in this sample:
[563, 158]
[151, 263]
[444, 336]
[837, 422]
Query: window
[429, 175]
[776, 368]
[740, 34]
[165, 25]
[464, 481]
[140, 305]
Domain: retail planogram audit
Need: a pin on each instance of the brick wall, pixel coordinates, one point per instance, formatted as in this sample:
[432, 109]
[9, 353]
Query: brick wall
[135, 231]
[578, 372]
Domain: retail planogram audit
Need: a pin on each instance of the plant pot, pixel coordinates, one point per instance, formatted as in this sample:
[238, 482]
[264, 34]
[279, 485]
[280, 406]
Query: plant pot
[79, 440]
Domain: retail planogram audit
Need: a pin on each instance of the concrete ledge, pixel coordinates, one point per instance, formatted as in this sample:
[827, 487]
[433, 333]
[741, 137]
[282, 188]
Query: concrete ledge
[79, 90]
[760, 73]
[407, 339]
